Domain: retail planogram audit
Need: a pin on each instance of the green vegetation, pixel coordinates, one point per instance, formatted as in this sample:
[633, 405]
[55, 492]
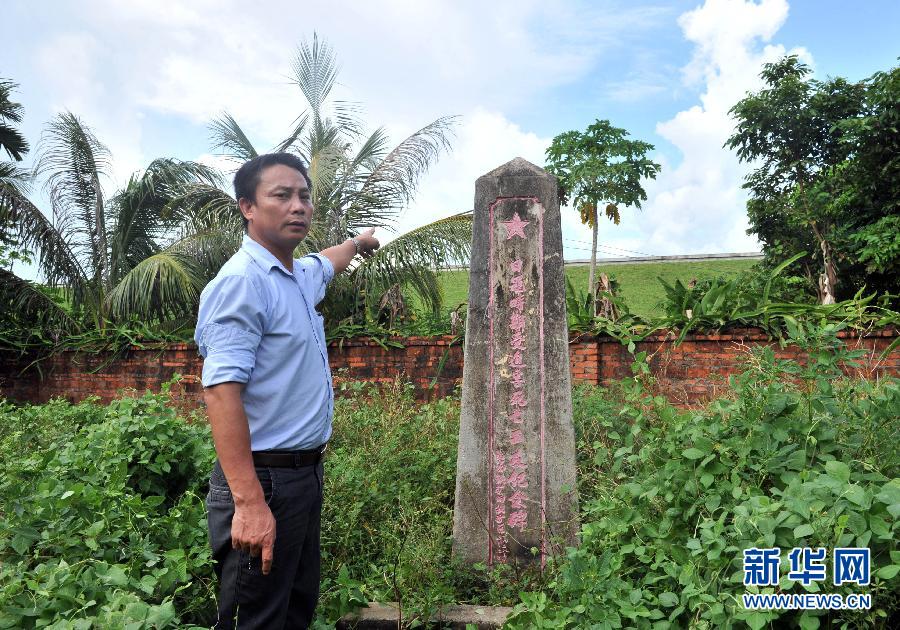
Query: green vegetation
[826, 177]
[145, 261]
[799, 456]
[358, 181]
[638, 283]
[141, 257]
[600, 166]
[669, 498]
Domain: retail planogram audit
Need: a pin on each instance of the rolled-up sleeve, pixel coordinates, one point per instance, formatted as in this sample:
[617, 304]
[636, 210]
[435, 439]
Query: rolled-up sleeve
[319, 272]
[230, 325]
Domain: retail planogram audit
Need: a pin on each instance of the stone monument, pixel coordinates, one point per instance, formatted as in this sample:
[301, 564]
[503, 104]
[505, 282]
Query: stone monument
[515, 472]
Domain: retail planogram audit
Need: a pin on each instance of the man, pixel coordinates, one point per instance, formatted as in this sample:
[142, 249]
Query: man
[269, 398]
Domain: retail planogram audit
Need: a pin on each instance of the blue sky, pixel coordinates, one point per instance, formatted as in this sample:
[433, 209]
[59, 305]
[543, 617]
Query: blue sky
[149, 75]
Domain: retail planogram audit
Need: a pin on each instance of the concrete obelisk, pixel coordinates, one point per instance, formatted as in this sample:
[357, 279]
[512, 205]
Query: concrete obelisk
[515, 475]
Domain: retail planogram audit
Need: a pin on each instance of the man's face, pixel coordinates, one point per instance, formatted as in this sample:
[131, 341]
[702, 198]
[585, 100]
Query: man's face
[281, 215]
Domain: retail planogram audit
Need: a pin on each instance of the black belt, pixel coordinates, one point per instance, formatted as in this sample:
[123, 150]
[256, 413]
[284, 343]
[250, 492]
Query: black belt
[289, 459]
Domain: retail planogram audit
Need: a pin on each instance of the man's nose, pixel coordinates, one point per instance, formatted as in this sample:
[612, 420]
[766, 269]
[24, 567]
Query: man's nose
[297, 205]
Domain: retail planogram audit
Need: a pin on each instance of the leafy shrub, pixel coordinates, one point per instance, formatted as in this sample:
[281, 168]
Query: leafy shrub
[103, 519]
[388, 515]
[670, 498]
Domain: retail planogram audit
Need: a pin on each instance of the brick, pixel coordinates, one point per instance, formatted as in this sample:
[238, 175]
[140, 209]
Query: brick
[686, 374]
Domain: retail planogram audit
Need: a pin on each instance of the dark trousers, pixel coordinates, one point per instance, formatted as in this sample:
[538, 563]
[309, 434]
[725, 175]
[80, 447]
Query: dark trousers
[287, 596]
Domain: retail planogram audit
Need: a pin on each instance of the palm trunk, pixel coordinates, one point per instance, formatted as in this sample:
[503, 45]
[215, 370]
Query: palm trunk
[593, 268]
[828, 279]
[102, 254]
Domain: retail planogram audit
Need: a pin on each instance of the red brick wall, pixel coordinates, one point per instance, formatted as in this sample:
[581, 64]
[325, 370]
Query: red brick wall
[698, 368]
[75, 376]
[692, 372]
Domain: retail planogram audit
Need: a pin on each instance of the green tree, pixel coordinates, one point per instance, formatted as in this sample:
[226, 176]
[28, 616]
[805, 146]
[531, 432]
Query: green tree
[794, 130]
[126, 256]
[13, 179]
[12, 142]
[872, 179]
[600, 166]
[357, 181]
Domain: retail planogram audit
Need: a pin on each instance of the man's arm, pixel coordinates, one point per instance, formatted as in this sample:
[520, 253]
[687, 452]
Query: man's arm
[253, 526]
[341, 255]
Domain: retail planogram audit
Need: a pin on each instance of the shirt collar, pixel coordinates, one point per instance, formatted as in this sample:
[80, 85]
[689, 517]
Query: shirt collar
[263, 257]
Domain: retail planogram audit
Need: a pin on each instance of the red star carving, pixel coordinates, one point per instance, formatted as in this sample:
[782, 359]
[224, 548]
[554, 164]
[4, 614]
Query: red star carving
[515, 226]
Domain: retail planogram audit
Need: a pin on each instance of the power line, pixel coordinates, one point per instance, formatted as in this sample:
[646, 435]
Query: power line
[608, 247]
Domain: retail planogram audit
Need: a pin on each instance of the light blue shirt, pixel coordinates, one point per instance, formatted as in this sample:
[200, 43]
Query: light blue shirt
[258, 325]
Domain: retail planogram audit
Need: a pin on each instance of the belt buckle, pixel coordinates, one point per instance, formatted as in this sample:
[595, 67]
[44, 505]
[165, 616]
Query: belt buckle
[296, 463]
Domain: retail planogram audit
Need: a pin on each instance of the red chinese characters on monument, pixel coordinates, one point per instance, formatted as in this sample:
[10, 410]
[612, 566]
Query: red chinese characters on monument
[510, 459]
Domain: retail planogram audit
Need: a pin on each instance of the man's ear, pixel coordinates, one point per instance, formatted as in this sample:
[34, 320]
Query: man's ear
[246, 207]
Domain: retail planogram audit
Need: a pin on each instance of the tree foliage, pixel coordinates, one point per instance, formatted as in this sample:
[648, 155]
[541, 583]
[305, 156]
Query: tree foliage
[13, 179]
[129, 255]
[825, 156]
[358, 181]
[600, 166]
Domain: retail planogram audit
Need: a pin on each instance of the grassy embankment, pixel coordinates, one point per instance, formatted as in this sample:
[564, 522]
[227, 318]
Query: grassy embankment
[638, 282]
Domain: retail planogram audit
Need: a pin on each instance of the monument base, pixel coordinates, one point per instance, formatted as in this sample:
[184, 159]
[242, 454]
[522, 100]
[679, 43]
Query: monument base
[376, 616]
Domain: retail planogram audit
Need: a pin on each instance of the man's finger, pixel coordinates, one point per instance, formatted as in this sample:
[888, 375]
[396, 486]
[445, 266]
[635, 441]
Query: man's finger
[267, 558]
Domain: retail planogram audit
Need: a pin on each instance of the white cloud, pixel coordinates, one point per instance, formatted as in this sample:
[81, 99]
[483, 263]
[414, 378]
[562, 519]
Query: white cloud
[119, 65]
[484, 140]
[698, 205]
[634, 90]
[70, 68]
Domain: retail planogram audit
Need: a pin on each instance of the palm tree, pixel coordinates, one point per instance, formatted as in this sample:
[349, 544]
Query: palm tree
[358, 181]
[19, 300]
[13, 179]
[127, 256]
[12, 142]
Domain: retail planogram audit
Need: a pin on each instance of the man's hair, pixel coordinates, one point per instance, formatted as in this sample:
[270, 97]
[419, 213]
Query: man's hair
[247, 178]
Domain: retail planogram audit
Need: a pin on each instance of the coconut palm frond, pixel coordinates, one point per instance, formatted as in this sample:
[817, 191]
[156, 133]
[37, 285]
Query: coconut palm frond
[392, 183]
[315, 71]
[227, 134]
[208, 250]
[327, 172]
[74, 160]
[346, 214]
[370, 153]
[140, 210]
[134, 232]
[11, 140]
[291, 140]
[14, 179]
[9, 109]
[165, 285]
[336, 178]
[202, 208]
[36, 233]
[323, 136]
[411, 259]
[348, 117]
[165, 177]
[22, 302]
